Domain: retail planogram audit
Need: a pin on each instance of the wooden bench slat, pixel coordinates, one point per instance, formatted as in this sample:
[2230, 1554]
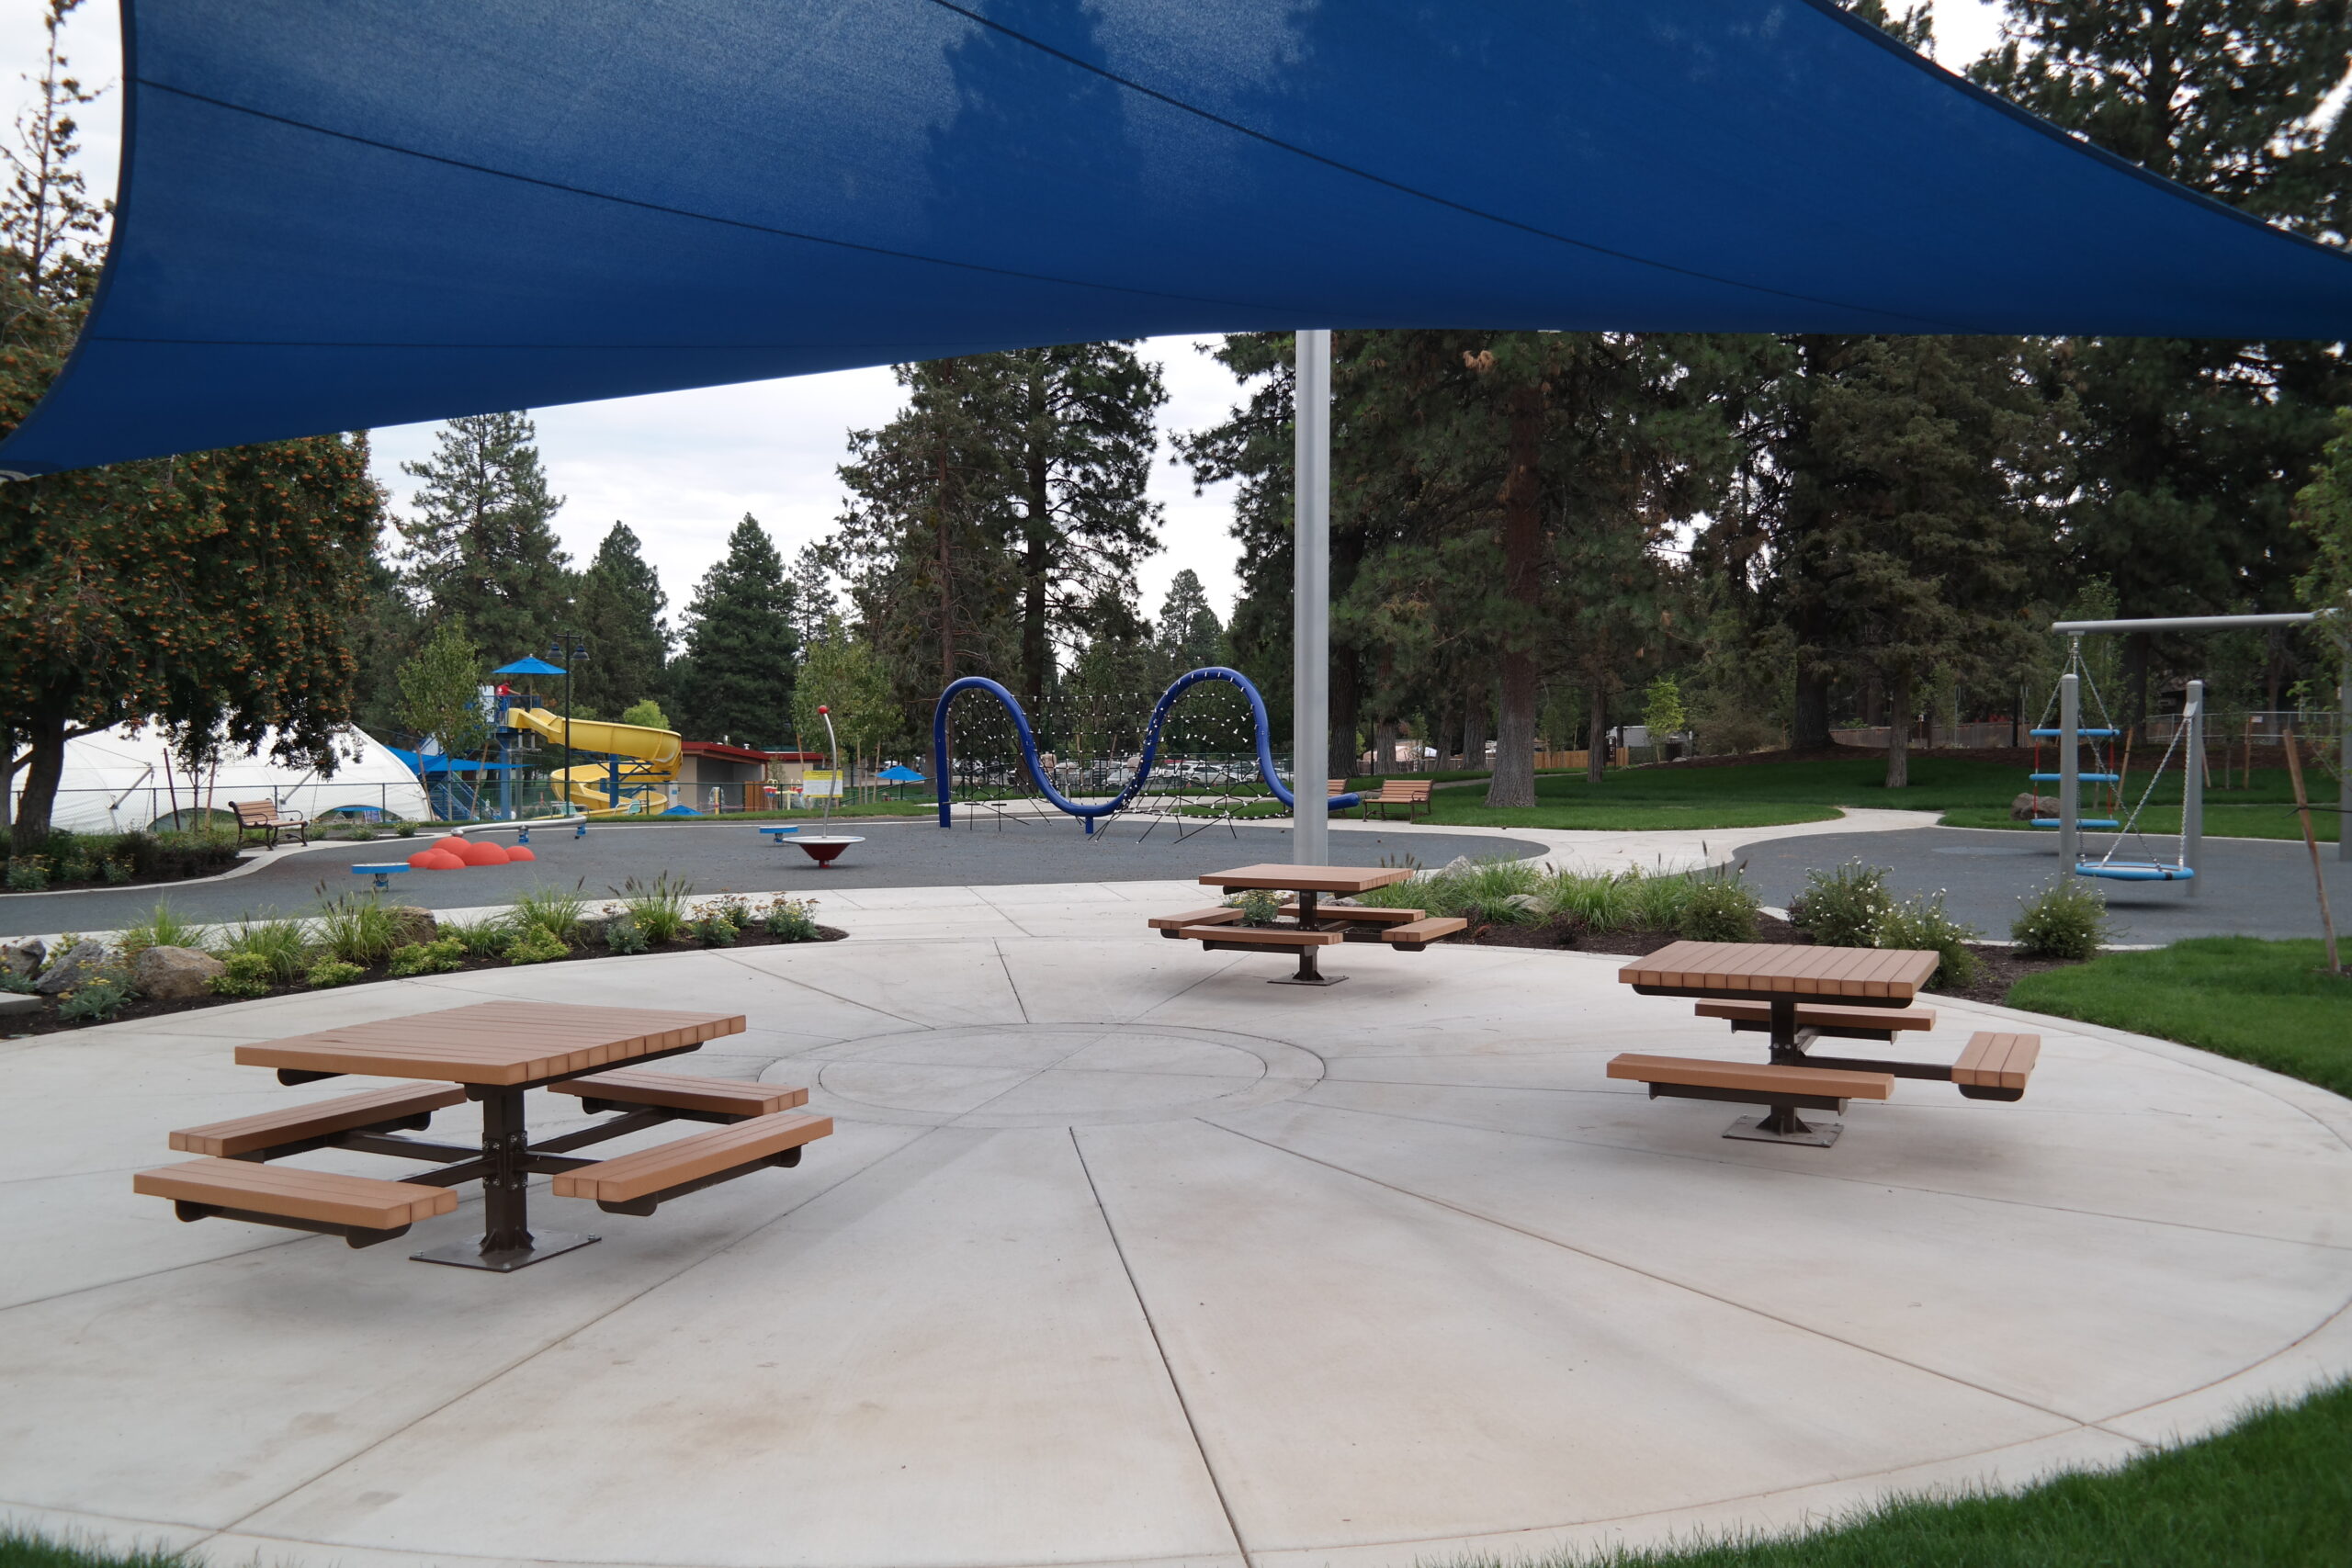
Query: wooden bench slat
[1424, 930]
[1815, 1016]
[1223, 914]
[623, 1177]
[1995, 1059]
[246, 1134]
[686, 1091]
[1762, 1078]
[292, 1193]
[1263, 936]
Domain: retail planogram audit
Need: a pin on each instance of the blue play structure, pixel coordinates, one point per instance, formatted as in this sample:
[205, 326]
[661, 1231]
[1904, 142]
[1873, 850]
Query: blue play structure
[1091, 815]
[2074, 738]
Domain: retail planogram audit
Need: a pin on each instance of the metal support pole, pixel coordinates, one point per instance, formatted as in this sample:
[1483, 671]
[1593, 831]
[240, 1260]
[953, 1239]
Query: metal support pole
[2070, 768]
[2344, 756]
[2193, 786]
[1310, 713]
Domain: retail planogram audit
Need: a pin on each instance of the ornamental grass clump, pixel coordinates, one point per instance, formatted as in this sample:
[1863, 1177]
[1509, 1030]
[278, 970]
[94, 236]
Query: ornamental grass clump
[280, 947]
[1843, 907]
[161, 928]
[660, 908]
[358, 929]
[554, 910]
[485, 938]
[2066, 919]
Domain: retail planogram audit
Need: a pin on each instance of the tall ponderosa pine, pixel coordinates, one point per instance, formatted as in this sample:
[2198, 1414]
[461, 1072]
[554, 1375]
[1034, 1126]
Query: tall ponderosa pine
[213, 593]
[741, 653]
[479, 543]
[2189, 453]
[619, 609]
[1189, 633]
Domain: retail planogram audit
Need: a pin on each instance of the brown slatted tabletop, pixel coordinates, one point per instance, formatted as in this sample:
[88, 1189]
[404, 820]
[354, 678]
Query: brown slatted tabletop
[1870, 975]
[494, 1045]
[1308, 878]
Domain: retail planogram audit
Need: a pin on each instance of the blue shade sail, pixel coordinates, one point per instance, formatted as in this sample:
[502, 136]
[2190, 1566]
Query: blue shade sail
[363, 212]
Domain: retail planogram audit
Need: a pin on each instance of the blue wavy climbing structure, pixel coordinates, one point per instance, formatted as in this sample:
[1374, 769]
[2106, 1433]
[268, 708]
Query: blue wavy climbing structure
[1090, 815]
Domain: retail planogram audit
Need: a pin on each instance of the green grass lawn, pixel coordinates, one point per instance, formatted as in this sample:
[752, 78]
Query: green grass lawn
[2263, 1002]
[1753, 795]
[2223, 819]
[2276, 1491]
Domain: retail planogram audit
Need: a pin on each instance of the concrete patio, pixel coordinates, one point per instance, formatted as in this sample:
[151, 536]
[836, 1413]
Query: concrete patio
[1120, 1255]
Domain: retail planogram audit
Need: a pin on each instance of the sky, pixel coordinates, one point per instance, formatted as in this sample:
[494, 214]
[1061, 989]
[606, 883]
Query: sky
[681, 468]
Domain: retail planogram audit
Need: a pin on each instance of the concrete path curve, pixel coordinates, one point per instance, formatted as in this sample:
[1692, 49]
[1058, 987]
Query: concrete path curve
[1121, 1256]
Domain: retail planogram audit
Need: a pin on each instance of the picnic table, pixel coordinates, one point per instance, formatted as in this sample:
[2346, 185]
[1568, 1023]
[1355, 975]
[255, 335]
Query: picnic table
[493, 1053]
[1797, 995]
[1305, 927]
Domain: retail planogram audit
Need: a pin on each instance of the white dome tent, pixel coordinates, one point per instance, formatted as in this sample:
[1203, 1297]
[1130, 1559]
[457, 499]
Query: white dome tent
[125, 778]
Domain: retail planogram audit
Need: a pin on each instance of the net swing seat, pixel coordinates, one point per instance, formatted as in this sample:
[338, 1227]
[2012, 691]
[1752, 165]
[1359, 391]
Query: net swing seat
[2149, 867]
[2135, 871]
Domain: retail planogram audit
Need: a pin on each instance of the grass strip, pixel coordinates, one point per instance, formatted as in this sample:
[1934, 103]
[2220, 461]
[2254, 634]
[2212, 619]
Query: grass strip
[2161, 823]
[2275, 1490]
[2264, 1002]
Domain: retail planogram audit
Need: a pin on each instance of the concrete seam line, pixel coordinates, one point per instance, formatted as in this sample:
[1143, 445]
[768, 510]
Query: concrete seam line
[1151, 1327]
[1606, 1261]
[1832, 1176]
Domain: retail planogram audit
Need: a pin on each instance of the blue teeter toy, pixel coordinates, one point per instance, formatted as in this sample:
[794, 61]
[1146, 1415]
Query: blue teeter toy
[778, 833]
[382, 873]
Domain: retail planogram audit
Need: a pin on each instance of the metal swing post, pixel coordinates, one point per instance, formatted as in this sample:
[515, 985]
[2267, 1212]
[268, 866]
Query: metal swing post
[2192, 787]
[2070, 769]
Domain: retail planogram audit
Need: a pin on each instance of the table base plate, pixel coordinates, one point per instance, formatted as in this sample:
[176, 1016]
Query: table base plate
[1308, 980]
[1816, 1134]
[469, 1255]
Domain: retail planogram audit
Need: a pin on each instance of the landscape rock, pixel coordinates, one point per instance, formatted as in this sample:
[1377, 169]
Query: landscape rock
[416, 924]
[170, 974]
[25, 959]
[1525, 901]
[2026, 807]
[70, 968]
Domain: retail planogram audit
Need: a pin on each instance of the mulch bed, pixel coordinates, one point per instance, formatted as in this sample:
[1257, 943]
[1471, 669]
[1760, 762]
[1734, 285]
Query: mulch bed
[48, 1022]
[1997, 968]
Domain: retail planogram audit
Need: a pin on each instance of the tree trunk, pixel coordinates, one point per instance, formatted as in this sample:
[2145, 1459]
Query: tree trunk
[1383, 746]
[1513, 783]
[1898, 732]
[44, 766]
[1596, 756]
[1446, 732]
[1474, 729]
[1809, 725]
[1346, 698]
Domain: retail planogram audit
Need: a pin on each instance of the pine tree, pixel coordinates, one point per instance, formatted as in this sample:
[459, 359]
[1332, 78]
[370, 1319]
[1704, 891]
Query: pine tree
[740, 653]
[813, 603]
[619, 611]
[479, 543]
[1189, 633]
[2189, 452]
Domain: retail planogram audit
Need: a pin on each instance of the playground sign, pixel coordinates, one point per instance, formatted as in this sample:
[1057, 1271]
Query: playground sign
[822, 783]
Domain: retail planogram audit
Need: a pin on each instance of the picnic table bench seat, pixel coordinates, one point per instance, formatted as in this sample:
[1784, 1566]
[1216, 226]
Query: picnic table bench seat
[1172, 926]
[638, 1183]
[273, 1134]
[1784, 1090]
[1362, 914]
[272, 821]
[360, 1209]
[1848, 1023]
[686, 1095]
[1236, 935]
[1411, 936]
[1994, 1064]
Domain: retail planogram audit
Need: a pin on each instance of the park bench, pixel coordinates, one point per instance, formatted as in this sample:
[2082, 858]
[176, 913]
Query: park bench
[1784, 1090]
[271, 821]
[1413, 794]
[638, 1183]
[686, 1096]
[321, 1125]
[360, 1209]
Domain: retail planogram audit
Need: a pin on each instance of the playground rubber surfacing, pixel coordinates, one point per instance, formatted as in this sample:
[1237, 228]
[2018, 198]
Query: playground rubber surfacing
[1121, 1254]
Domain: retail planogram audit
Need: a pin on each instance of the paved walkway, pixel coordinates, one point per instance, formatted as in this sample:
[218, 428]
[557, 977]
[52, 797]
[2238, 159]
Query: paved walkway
[2249, 886]
[1121, 1256]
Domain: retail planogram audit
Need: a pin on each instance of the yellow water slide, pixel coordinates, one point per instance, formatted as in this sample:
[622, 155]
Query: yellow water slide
[649, 761]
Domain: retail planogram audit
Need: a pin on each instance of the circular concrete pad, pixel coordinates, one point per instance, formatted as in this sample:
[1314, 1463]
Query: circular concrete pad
[1119, 1253]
